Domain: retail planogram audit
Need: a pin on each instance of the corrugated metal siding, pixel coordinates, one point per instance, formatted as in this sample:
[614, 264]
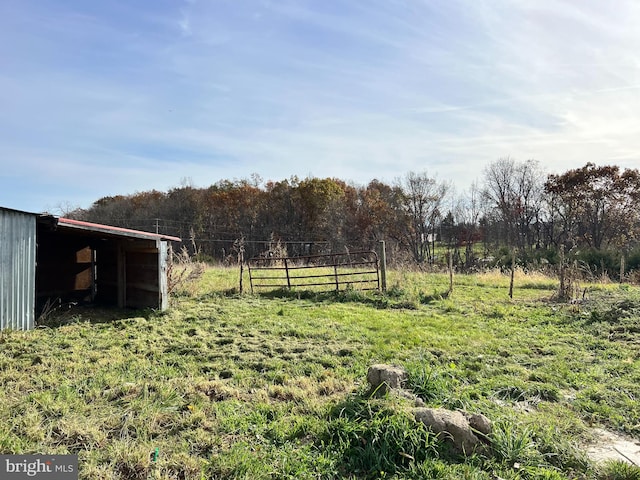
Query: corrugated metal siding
[17, 269]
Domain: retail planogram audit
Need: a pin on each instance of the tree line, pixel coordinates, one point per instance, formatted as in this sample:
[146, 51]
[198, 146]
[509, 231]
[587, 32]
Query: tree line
[592, 213]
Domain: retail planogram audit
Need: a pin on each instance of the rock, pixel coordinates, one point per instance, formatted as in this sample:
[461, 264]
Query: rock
[468, 433]
[479, 422]
[452, 426]
[381, 378]
[417, 401]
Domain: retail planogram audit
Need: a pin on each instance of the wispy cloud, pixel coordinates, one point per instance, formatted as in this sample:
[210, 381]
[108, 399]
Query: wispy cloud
[103, 98]
[185, 23]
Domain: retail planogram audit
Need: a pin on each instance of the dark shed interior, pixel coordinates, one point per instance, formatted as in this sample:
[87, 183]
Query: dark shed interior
[81, 262]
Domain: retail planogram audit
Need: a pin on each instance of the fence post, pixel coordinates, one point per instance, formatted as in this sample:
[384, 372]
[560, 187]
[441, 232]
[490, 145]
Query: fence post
[383, 265]
[250, 276]
[286, 269]
[450, 273]
[513, 271]
[562, 289]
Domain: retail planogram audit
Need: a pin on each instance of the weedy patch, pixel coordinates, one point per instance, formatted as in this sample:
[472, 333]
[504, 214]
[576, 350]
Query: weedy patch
[271, 386]
[619, 470]
[372, 438]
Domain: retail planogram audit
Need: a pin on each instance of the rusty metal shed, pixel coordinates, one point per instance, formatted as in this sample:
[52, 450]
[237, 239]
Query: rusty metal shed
[49, 260]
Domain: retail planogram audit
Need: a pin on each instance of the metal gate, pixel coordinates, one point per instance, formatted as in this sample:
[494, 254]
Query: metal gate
[337, 271]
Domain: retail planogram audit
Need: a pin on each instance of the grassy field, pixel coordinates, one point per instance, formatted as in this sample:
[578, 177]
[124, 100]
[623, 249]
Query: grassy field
[273, 386]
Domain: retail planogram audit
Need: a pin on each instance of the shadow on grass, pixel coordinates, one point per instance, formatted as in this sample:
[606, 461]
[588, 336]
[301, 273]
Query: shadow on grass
[426, 299]
[373, 298]
[94, 314]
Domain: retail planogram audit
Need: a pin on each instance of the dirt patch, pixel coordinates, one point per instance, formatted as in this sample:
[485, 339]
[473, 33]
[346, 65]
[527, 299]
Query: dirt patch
[613, 446]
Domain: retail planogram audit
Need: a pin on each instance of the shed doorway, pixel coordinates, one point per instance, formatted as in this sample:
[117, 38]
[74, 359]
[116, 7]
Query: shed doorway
[84, 263]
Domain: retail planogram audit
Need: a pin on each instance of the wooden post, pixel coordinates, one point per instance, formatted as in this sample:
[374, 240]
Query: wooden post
[450, 273]
[241, 262]
[163, 288]
[513, 271]
[622, 268]
[562, 289]
[94, 275]
[250, 276]
[286, 269]
[122, 276]
[383, 265]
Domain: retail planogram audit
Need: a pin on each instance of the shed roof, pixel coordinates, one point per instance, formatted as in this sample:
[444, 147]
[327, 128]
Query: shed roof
[108, 230]
[17, 211]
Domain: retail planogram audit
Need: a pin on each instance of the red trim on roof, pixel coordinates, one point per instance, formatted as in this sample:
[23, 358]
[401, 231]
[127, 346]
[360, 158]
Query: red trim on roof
[110, 229]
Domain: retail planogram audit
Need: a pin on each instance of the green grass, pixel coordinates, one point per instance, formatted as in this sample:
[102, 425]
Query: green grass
[272, 386]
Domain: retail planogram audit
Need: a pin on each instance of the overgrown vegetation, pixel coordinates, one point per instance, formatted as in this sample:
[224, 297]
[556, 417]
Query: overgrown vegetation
[239, 386]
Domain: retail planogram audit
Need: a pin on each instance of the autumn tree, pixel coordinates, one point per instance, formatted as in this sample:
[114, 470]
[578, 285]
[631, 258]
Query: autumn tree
[183, 213]
[281, 219]
[377, 207]
[232, 210]
[596, 206]
[131, 211]
[319, 203]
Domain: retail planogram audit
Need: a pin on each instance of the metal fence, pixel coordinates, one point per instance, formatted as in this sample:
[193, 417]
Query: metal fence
[337, 271]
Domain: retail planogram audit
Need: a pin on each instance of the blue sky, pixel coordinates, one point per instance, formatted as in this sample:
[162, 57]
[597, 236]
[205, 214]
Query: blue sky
[112, 97]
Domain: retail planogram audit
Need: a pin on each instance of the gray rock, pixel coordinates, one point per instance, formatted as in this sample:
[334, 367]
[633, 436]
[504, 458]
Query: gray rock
[417, 401]
[381, 378]
[452, 426]
[479, 422]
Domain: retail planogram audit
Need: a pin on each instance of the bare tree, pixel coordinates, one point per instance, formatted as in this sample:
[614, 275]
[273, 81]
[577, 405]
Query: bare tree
[466, 211]
[514, 194]
[423, 198]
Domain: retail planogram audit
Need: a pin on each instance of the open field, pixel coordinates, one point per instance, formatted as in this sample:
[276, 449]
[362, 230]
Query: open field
[240, 386]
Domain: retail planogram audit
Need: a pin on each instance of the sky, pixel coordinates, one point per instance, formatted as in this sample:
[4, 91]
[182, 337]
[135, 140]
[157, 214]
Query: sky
[101, 98]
